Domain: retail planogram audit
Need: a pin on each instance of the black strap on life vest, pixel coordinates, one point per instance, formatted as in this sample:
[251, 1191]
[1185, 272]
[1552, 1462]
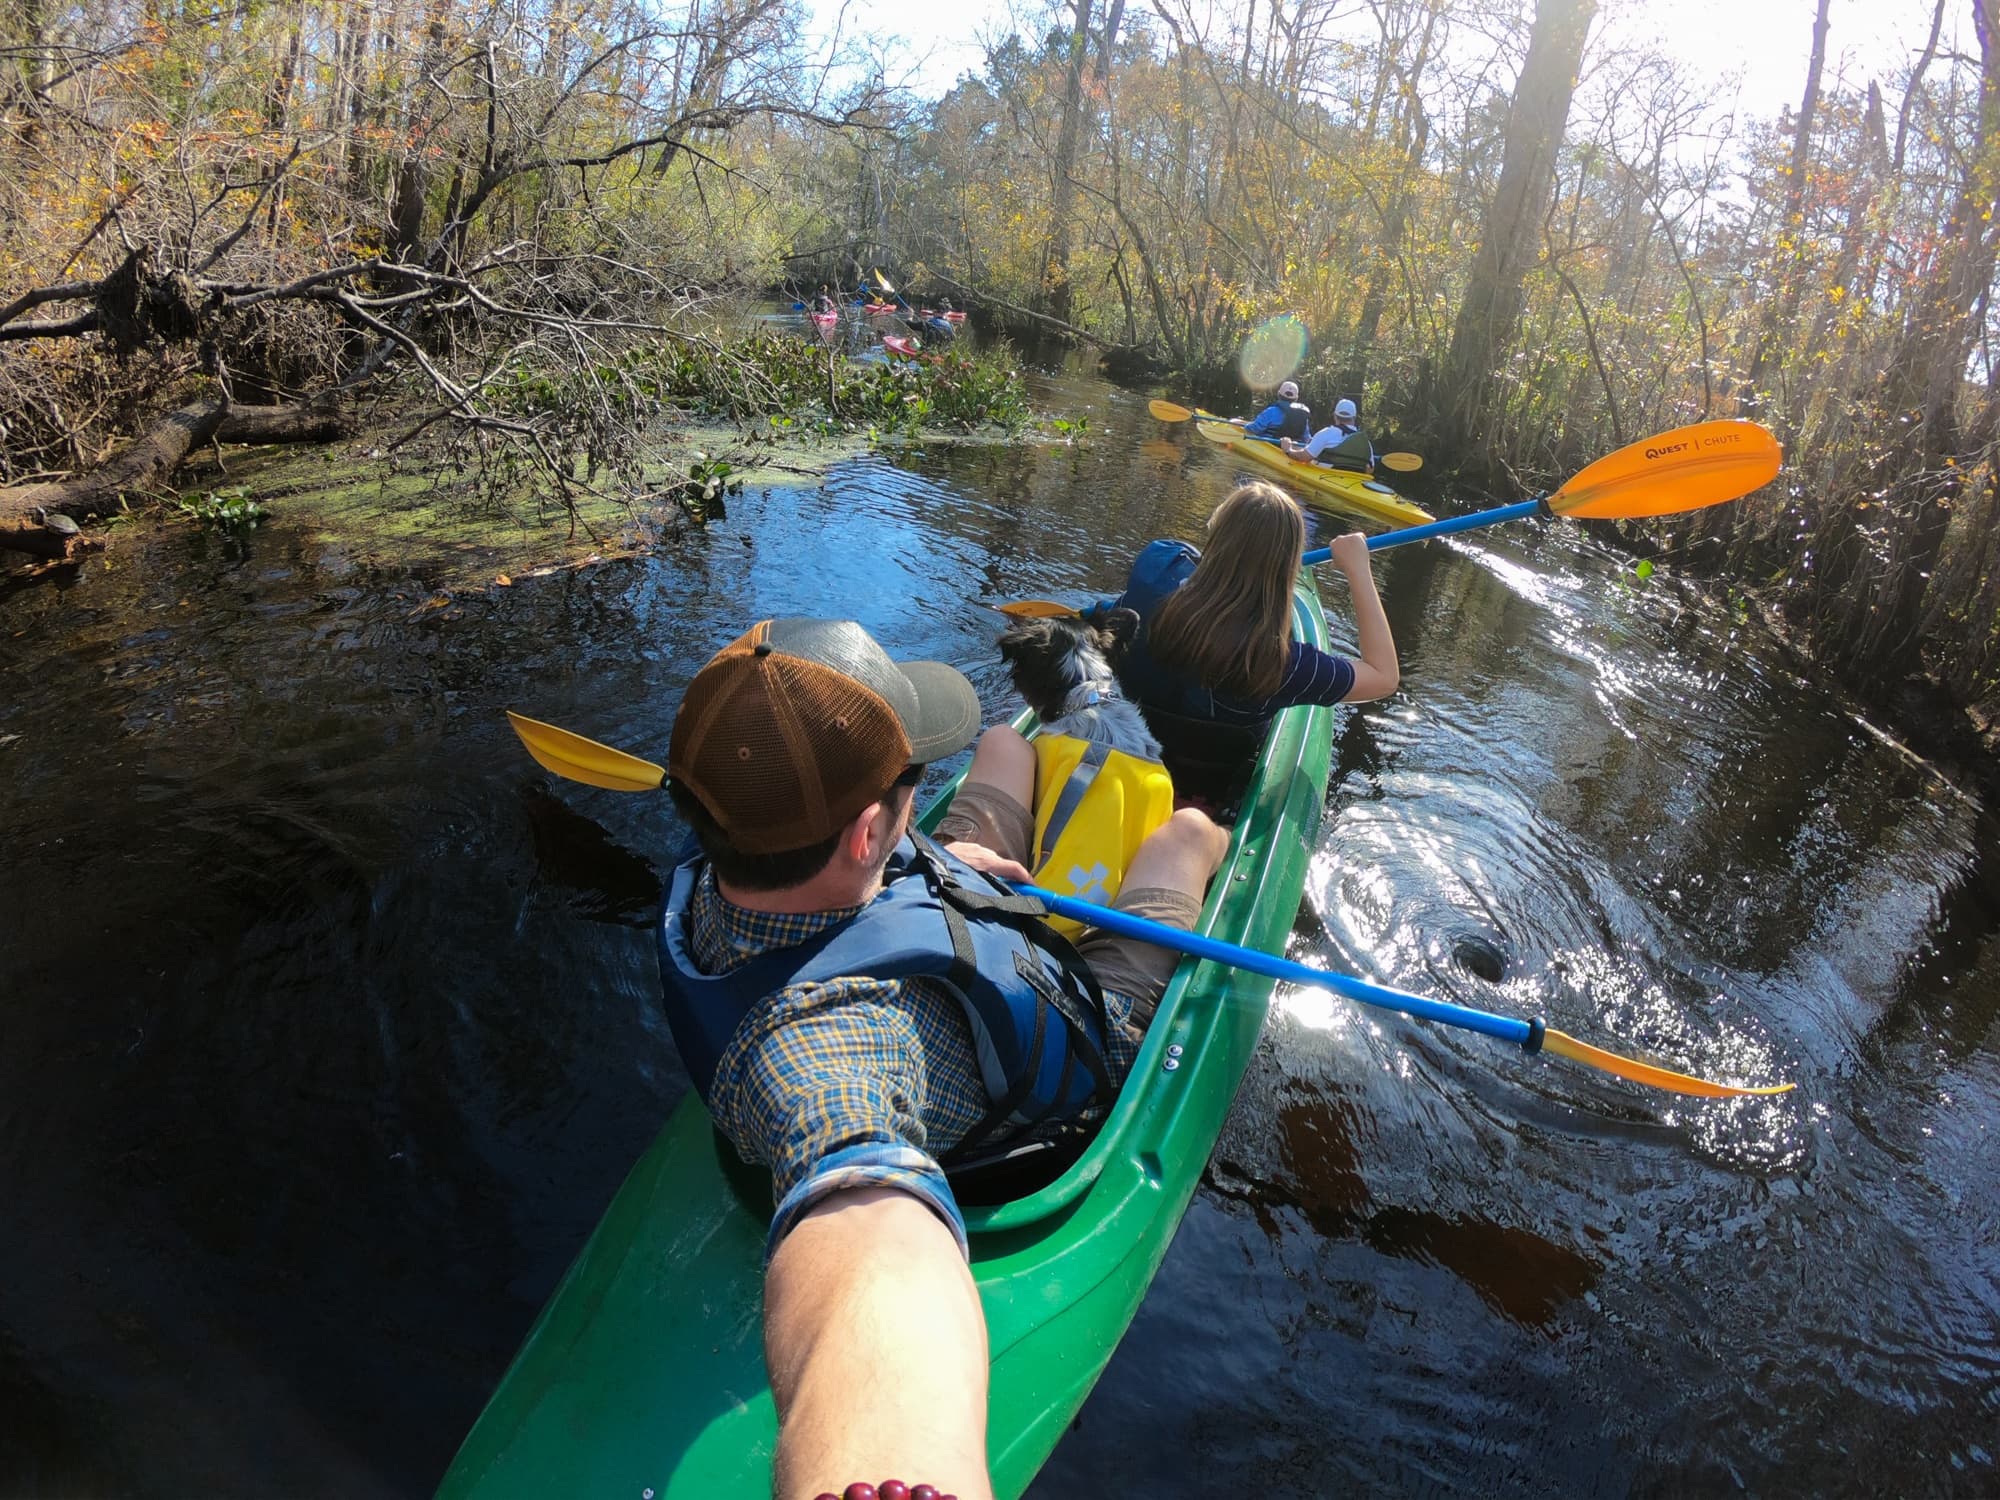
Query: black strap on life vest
[1028, 916]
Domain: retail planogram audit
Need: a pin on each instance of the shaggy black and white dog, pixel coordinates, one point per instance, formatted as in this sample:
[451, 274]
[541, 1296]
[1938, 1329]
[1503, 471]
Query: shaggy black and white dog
[1067, 670]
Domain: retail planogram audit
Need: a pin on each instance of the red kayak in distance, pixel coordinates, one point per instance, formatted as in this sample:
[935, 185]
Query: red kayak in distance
[950, 317]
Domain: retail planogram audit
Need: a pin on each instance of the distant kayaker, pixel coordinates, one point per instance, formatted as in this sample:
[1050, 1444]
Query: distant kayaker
[855, 1004]
[824, 302]
[1286, 417]
[1339, 445]
[1215, 658]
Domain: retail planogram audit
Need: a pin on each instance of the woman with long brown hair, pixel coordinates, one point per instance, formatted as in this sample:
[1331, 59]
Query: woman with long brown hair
[1215, 660]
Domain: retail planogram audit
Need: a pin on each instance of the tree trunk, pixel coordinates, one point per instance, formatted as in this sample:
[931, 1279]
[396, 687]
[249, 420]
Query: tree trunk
[139, 466]
[148, 462]
[278, 102]
[1788, 261]
[1873, 174]
[1921, 389]
[1388, 265]
[1508, 245]
[413, 176]
[320, 420]
[1062, 189]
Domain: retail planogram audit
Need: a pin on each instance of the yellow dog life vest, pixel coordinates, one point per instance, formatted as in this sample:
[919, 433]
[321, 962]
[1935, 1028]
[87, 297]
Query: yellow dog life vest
[1094, 806]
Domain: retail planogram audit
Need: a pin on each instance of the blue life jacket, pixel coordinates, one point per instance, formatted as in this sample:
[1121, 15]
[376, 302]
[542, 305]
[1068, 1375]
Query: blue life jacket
[1034, 1008]
[1295, 421]
[1159, 569]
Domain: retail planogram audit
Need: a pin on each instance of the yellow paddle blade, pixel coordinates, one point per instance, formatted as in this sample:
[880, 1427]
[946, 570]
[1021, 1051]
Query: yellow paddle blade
[1219, 432]
[1166, 411]
[1402, 463]
[579, 759]
[1035, 609]
[884, 282]
[1684, 469]
[1564, 1045]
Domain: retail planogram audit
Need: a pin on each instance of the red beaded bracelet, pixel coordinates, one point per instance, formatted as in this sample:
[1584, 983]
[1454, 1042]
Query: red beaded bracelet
[888, 1489]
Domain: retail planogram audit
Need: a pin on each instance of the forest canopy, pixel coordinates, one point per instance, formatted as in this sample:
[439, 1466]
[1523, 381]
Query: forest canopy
[1500, 230]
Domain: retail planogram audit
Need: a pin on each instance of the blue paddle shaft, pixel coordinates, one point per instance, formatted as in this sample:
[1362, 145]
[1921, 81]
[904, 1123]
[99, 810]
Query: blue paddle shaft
[1439, 528]
[1526, 1034]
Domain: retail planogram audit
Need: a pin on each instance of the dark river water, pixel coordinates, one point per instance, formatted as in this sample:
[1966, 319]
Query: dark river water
[328, 1023]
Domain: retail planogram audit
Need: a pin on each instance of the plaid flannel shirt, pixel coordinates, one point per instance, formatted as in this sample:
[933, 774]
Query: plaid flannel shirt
[851, 1083]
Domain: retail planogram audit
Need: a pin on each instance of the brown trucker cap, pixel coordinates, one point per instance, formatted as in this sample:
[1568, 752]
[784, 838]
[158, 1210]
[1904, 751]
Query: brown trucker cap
[794, 727]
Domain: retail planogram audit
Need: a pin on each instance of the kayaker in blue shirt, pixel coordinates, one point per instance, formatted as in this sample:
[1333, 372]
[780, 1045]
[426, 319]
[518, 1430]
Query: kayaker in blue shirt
[1287, 417]
[805, 950]
[1215, 660]
[1340, 444]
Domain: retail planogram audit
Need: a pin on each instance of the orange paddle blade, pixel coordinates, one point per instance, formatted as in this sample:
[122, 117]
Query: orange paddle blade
[1034, 609]
[1402, 463]
[1166, 411]
[1686, 468]
[1564, 1045]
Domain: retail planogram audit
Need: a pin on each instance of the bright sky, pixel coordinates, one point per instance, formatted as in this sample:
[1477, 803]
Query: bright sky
[1753, 49]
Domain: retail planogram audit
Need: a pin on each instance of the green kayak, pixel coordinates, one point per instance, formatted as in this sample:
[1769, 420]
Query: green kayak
[644, 1376]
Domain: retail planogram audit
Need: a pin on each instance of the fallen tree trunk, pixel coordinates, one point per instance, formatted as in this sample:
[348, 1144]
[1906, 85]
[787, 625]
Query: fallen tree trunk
[318, 421]
[137, 466]
[148, 462]
[37, 540]
[1059, 324]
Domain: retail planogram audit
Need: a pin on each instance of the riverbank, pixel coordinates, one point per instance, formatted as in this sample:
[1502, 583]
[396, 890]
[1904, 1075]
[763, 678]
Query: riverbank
[610, 455]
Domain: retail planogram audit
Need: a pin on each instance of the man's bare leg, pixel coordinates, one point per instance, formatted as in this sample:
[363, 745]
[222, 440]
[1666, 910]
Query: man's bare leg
[1005, 760]
[1180, 855]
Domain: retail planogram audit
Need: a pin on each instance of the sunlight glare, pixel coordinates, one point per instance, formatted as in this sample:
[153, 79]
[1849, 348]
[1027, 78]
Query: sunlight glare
[1272, 352]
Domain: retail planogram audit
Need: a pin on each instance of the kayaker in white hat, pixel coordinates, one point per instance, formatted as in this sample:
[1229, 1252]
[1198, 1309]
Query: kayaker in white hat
[1340, 444]
[1286, 417]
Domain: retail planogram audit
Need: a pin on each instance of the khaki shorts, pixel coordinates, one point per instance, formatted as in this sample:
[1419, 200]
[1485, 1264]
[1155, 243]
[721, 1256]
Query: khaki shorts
[982, 814]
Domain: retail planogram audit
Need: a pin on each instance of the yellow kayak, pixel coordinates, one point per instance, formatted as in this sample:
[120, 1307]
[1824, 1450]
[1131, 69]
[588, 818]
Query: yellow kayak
[1358, 492]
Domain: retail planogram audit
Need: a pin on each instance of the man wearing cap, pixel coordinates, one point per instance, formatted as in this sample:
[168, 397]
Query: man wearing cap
[856, 1004]
[1340, 445]
[1286, 417]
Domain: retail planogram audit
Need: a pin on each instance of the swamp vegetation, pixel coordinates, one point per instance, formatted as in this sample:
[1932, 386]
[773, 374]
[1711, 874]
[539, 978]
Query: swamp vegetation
[494, 234]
